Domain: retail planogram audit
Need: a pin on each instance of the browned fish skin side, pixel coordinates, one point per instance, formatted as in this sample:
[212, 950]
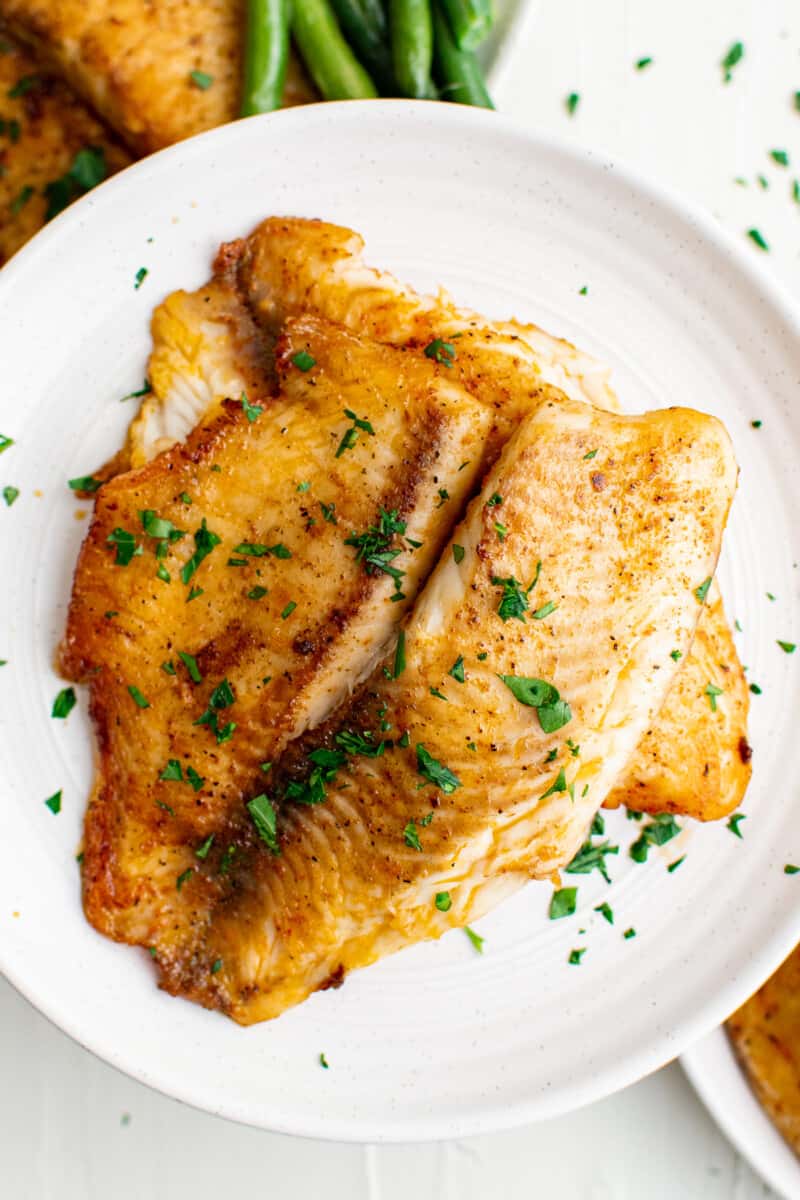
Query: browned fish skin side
[620, 566]
[53, 126]
[287, 667]
[132, 61]
[693, 761]
[765, 1033]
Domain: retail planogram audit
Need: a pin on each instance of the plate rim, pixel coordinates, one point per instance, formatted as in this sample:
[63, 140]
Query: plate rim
[722, 1000]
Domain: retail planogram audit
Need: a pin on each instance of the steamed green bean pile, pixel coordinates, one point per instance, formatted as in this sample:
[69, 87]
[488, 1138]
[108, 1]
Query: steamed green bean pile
[358, 49]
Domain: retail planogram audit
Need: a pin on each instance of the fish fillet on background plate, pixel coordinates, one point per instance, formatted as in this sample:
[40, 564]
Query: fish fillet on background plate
[278, 548]
[132, 61]
[534, 661]
[692, 760]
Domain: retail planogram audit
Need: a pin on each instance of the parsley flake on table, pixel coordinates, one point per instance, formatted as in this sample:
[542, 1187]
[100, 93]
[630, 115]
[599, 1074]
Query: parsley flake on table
[734, 822]
[265, 820]
[475, 939]
[64, 703]
[734, 55]
[435, 772]
[563, 903]
[350, 436]
[10, 494]
[201, 80]
[54, 802]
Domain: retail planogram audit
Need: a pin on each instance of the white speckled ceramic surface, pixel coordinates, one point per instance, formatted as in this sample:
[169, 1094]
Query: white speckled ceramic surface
[435, 1041]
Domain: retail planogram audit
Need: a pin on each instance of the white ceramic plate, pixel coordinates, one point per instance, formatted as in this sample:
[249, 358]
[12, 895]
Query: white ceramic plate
[718, 1080]
[435, 1041]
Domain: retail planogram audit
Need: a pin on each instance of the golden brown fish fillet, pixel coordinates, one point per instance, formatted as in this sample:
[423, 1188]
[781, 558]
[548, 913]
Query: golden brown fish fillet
[692, 760]
[132, 61]
[282, 617]
[765, 1033]
[695, 760]
[42, 128]
[564, 582]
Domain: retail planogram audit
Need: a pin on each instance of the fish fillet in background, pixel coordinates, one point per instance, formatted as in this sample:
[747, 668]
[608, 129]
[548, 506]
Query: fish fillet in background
[535, 659]
[49, 143]
[692, 760]
[132, 61]
[235, 589]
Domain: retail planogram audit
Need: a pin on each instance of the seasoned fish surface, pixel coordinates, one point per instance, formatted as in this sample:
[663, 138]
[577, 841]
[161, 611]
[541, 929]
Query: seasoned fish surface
[132, 61]
[572, 575]
[43, 126]
[692, 760]
[277, 549]
[765, 1033]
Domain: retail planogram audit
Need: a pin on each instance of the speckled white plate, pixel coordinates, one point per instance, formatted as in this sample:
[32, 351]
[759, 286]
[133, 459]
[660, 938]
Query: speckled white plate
[435, 1041]
[722, 1086]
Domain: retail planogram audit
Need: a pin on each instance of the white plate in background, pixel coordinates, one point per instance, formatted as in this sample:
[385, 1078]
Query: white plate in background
[435, 1041]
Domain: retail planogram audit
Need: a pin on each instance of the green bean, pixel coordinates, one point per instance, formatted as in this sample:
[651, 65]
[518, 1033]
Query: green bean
[331, 63]
[412, 46]
[266, 50]
[364, 25]
[469, 21]
[457, 71]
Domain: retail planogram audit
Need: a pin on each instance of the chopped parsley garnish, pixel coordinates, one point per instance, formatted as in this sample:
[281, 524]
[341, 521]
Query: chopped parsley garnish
[145, 390]
[755, 689]
[606, 911]
[791, 869]
[141, 275]
[226, 860]
[85, 483]
[202, 852]
[312, 791]
[216, 966]
[632, 814]
[475, 939]
[21, 199]
[139, 700]
[159, 527]
[592, 858]
[173, 772]
[10, 494]
[185, 498]
[166, 807]
[443, 901]
[780, 157]
[575, 957]
[435, 692]
[514, 601]
[641, 63]
[560, 785]
[168, 668]
[458, 553]
[303, 360]
[323, 1062]
[193, 779]
[350, 436]
[411, 837]
[194, 593]
[758, 238]
[358, 743]
[265, 820]
[628, 934]
[204, 543]
[64, 703]
[553, 712]
[374, 547]
[734, 822]
[482, 656]
[190, 662]
[251, 411]
[544, 611]
[673, 866]
[184, 875]
[54, 802]
[87, 169]
[201, 80]
[563, 903]
[163, 574]
[457, 669]
[435, 772]
[661, 830]
[329, 513]
[290, 607]
[441, 351]
[222, 697]
[494, 500]
[500, 530]
[257, 593]
[5, 442]
[787, 647]
[589, 455]
[702, 591]
[584, 291]
[259, 550]
[675, 655]
[126, 546]
[571, 103]
[712, 691]
[399, 655]
[733, 56]
[444, 496]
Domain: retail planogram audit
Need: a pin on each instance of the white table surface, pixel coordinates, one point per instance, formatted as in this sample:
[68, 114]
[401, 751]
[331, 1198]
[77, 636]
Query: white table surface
[72, 1128]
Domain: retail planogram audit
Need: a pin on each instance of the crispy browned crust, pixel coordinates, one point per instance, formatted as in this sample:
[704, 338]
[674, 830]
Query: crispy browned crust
[765, 1033]
[53, 126]
[693, 761]
[132, 61]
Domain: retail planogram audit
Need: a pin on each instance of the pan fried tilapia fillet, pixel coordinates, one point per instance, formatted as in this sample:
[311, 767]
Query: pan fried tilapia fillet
[132, 61]
[580, 578]
[692, 760]
[278, 549]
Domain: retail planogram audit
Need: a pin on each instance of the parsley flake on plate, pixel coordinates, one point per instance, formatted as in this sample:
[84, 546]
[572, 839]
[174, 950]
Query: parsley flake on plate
[758, 239]
[571, 103]
[575, 957]
[475, 939]
[605, 911]
[563, 903]
[734, 822]
[54, 802]
[733, 56]
[662, 829]
[64, 703]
